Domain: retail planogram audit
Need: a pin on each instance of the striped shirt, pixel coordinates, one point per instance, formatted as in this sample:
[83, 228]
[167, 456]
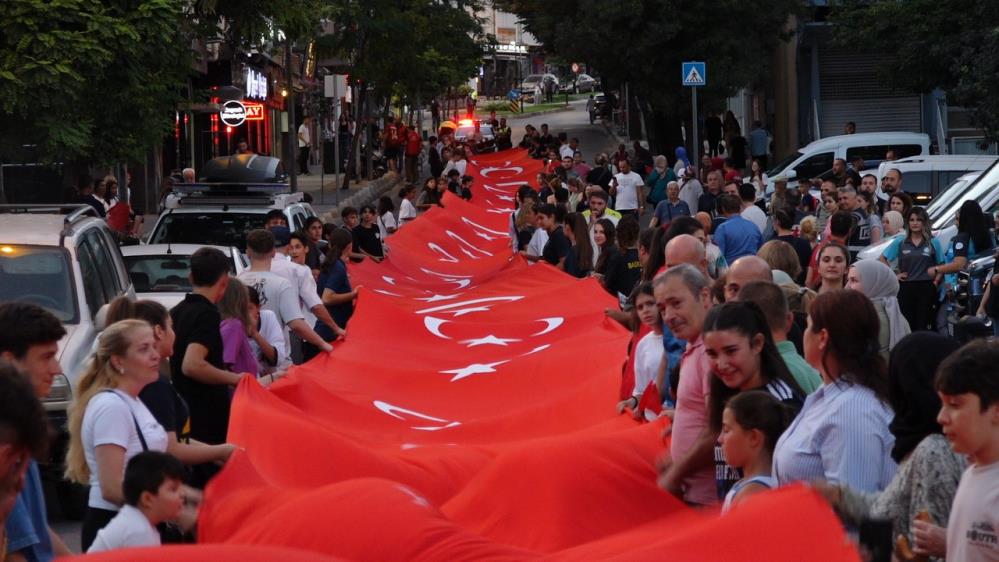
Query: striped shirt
[726, 476]
[841, 435]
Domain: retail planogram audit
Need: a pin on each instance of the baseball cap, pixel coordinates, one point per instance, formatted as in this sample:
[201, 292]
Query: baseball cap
[282, 236]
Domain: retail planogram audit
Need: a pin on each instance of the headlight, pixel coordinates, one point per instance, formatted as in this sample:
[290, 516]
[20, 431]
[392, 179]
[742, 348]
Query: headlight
[61, 390]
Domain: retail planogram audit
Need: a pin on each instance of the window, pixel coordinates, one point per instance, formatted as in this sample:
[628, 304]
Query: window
[218, 229]
[104, 264]
[918, 182]
[92, 286]
[874, 155]
[815, 165]
[299, 221]
[40, 276]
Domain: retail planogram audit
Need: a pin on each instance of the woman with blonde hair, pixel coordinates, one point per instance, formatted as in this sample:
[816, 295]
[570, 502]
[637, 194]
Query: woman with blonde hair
[808, 229]
[108, 424]
[237, 329]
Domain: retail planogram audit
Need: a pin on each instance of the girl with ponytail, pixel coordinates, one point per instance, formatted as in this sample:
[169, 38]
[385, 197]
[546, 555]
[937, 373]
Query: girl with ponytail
[751, 425]
[743, 357]
[108, 424]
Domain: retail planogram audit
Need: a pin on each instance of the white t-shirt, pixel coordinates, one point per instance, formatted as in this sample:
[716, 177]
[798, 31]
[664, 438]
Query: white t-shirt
[537, 244]
[565, 151]
[276, 294]
[407, 211]
[128, 529]
[756, 216]
[271, 330]
[304, 139]
[648, 354]
[628, 187]
[973, 528]
[108, 420]
[460, 165]
[386, 222]
[300, 277]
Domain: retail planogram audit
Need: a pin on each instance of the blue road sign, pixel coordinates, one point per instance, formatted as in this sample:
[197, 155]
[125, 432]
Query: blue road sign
[695, 74]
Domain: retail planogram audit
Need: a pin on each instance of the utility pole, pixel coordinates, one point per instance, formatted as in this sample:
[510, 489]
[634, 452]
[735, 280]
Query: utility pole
[292, 131]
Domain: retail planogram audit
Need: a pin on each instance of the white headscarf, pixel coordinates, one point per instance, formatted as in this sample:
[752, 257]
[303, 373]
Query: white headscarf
[881, 286]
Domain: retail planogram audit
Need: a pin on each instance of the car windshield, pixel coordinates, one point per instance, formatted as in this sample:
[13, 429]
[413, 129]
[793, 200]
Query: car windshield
[217, 229]
[161, 273]
[780, 166]
[464, 132]
[982, 190]
[40, 276]
[947, 197]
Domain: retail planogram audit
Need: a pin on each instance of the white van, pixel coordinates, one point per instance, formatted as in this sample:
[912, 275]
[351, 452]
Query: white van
[816, 159]
[924, 177]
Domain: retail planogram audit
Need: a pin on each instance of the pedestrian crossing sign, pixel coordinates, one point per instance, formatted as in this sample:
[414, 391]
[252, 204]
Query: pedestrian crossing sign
[695, 74]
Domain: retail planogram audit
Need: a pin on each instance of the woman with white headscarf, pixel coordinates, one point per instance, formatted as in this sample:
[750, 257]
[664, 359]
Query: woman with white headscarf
[893, 223]
[878, 282]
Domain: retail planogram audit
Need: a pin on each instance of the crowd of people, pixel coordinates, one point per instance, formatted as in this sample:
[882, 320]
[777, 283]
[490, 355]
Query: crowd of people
[778, 355]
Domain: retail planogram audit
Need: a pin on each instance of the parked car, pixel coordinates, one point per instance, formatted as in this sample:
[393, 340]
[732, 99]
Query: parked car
[160, 272]
[816, 159]
[64, 259]
[925, 177]
[940, 211]
[530, 83]
[585, 83]
[234, 198]
[603, 105]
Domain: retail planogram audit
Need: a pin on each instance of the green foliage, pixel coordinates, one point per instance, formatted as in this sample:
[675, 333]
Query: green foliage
[418, 47]
[90, 79]
[927, 44]
[643, 42]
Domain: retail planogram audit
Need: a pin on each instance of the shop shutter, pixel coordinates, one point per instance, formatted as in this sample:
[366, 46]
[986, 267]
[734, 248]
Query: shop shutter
[850, 90]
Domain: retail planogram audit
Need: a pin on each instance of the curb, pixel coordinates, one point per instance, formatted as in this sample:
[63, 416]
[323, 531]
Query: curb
[536, 113]
[364, 196]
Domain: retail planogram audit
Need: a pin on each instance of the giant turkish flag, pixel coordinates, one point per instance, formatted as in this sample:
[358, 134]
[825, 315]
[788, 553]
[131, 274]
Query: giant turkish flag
[470, 414]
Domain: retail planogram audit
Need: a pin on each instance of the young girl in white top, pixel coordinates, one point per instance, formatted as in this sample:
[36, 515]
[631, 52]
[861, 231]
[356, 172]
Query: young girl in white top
[649, 352]
[108, 424]
[407, 211]
[751, 424]
[386, 220]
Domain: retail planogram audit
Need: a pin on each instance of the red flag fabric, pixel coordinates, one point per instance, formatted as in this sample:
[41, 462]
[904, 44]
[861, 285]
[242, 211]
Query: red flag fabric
[650, 403]
[469, 415]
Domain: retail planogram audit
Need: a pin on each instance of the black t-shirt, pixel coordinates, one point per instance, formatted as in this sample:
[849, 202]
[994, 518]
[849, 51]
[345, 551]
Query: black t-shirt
[713, 127]
[737, 150]
[166, 405]
[860, 236]
[706, 203]
[623, 272]
[196, 320]
[599, 176]
[367, 239]
[557, 247]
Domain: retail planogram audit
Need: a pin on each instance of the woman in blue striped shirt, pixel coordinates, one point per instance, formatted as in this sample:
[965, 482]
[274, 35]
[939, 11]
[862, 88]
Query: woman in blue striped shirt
[841, 434]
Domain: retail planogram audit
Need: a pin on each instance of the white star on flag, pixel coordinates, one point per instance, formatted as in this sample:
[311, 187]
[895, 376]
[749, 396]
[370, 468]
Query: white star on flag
[473, 369]
[489, 340]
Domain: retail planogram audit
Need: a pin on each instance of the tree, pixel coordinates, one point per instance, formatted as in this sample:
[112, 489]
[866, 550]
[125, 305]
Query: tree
[642, 43]
[96, 81]
[926, 45]
[407, 49]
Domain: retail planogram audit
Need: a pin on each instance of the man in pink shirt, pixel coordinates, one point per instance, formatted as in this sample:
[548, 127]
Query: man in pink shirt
[682, 293]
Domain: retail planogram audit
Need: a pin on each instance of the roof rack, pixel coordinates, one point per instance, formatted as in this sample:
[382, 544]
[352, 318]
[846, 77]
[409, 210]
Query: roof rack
[223, 189]
[232, 195]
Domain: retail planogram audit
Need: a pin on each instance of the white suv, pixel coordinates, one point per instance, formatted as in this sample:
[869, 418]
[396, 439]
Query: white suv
[70, 265]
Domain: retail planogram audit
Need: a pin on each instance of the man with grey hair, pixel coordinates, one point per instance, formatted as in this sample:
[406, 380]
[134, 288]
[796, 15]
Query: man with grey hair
[683, 295]
[686, 249]
[188, 175]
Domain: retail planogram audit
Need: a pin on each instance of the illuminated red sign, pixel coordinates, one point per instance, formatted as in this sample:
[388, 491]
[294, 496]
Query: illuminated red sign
[254, 111]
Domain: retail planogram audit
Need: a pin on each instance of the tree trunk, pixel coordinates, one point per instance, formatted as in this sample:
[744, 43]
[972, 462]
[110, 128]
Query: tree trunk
[362, 100]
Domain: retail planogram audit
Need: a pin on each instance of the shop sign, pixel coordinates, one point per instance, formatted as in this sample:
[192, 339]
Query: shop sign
[254, 111]
[256, 84]
[233, 113]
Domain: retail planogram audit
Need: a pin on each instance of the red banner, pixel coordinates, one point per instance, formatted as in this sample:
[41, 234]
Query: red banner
[470, 414]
